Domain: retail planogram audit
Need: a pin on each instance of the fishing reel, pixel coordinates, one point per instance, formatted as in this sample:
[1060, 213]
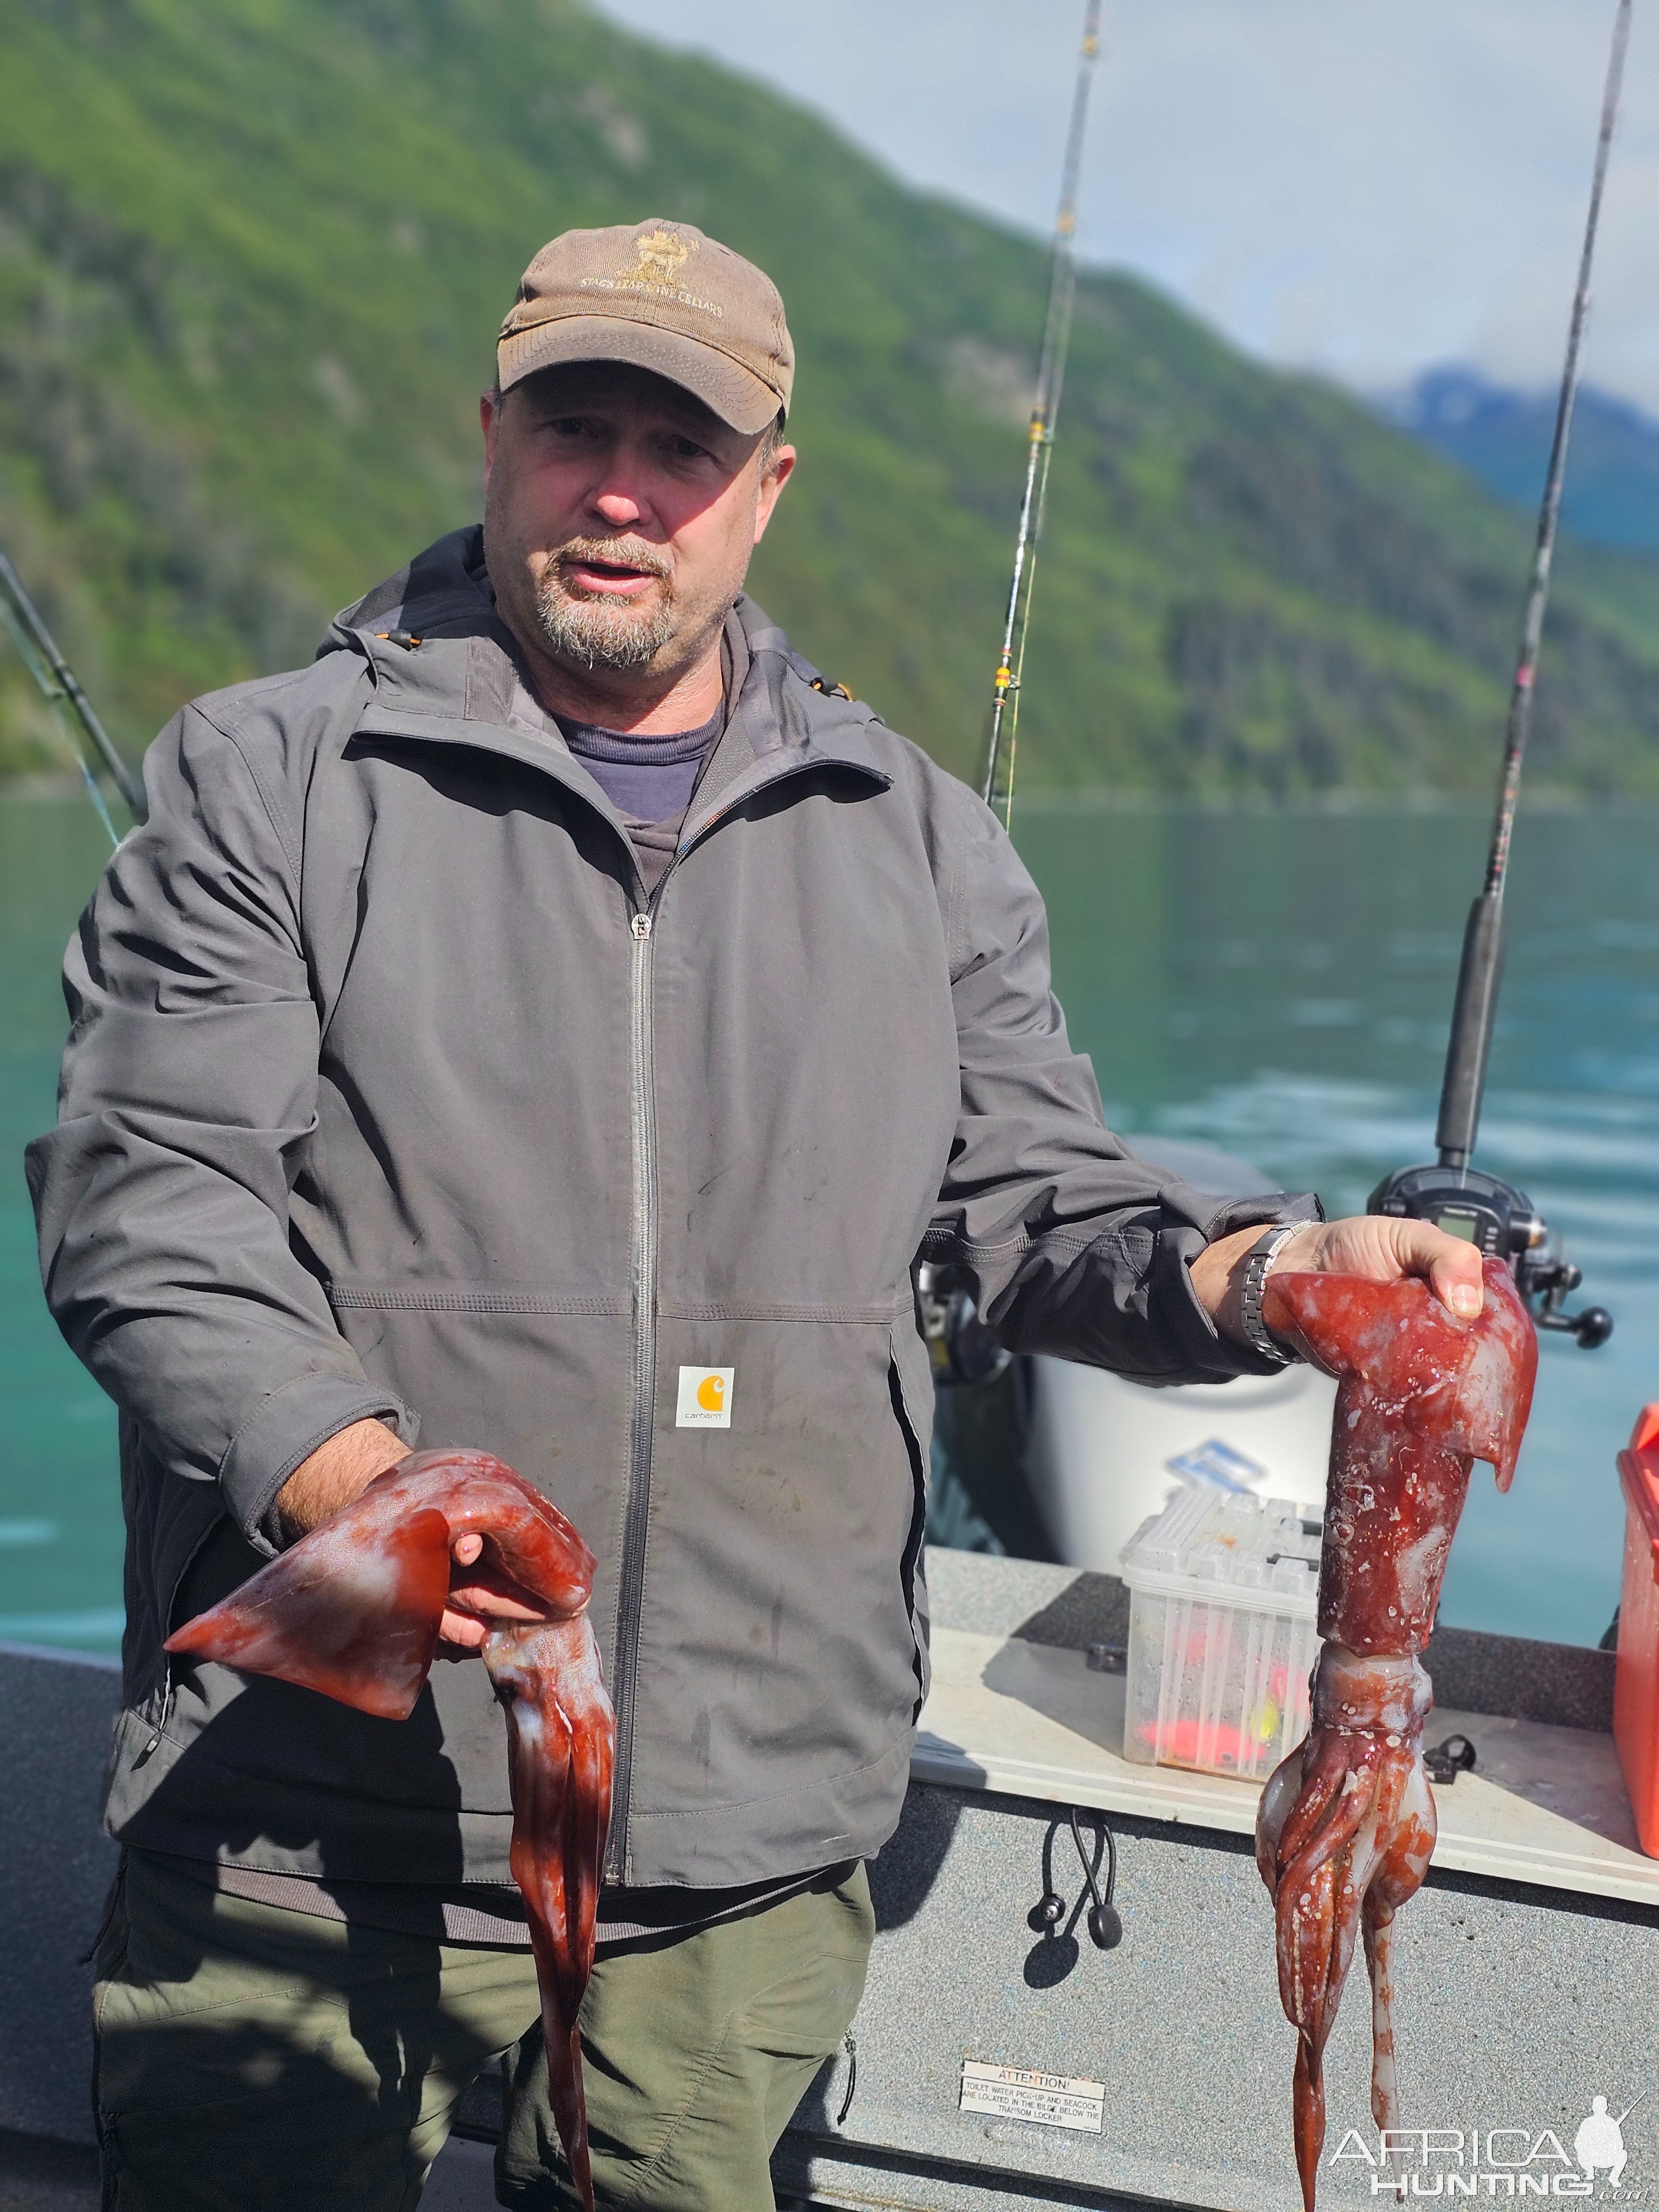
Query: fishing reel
[1502, 1223]
[962, 1350]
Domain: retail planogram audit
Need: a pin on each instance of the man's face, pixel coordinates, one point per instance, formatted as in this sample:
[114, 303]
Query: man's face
[619, 516]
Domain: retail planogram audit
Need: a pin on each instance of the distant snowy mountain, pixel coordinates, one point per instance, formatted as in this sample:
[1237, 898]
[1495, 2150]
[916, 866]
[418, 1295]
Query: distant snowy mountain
[1502, 439]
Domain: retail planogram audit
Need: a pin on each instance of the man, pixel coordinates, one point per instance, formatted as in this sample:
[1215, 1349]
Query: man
[558, 1020]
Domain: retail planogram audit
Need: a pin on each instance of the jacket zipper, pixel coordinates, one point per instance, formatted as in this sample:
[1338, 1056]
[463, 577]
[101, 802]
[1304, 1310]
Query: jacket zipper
[642, 1271]
[642, 1117]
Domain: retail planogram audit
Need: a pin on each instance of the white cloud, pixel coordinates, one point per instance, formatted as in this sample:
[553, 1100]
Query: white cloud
[1362, 186]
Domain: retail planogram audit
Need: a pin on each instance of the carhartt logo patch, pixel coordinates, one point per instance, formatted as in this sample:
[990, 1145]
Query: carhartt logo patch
[705, 1398]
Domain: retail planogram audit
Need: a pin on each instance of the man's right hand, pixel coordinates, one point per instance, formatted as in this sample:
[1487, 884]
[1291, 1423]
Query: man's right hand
[342, 1469]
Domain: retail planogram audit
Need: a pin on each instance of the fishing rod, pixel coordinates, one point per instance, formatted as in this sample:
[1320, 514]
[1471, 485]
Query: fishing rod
[998, 788]
[1492, 1214]
[61, 687]
[963, 1350]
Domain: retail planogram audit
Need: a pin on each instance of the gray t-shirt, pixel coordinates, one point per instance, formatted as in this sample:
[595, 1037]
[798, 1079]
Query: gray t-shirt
[648, 780]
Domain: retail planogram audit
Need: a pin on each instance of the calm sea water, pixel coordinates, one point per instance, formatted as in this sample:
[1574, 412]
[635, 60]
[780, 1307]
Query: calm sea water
[1276, 984]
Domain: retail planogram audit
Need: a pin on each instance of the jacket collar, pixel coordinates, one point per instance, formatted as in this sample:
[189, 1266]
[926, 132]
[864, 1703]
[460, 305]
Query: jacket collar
[445, 669]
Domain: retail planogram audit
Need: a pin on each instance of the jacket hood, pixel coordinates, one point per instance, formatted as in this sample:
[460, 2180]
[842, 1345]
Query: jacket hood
[444, 591]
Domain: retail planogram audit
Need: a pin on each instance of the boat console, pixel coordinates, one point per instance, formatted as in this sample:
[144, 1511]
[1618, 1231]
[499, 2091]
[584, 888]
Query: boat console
[999, 2065]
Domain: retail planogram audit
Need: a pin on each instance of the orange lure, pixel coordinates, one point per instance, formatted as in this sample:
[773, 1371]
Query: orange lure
[1347, 1826]
[353, 1611]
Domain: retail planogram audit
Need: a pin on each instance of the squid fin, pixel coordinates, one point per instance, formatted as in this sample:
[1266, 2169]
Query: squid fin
[351, 1613]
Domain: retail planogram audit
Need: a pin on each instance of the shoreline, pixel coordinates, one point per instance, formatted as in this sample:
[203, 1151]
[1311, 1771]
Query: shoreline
[41, 787]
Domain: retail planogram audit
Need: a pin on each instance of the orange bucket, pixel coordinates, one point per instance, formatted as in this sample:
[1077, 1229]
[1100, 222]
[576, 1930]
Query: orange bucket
[1636, 1685]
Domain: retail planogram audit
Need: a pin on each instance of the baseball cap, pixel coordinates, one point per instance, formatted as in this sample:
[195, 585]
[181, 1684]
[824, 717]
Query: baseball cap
[661, 296]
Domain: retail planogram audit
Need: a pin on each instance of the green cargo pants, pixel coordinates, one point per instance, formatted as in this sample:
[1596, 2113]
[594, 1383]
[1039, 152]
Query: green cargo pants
[253, 2059]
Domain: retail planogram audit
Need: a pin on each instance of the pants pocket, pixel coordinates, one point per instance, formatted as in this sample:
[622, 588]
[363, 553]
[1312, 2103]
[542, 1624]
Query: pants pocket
[696, 2054]
[255, 2059]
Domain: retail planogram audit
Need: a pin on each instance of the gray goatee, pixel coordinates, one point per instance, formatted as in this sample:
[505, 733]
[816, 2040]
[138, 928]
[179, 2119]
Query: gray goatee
[616, 635]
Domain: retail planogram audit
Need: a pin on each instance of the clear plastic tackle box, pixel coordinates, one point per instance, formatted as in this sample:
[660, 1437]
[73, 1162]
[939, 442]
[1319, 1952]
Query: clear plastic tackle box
[1223, 1632]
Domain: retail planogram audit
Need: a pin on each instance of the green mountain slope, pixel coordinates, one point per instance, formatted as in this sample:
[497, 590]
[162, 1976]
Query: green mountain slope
[252, 254]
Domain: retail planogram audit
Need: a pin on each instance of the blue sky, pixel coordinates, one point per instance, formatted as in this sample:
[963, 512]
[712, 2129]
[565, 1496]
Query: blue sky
[1364, 187]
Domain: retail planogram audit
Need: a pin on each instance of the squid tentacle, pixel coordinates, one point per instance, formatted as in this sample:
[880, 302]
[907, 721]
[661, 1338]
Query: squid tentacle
[1379, 1961]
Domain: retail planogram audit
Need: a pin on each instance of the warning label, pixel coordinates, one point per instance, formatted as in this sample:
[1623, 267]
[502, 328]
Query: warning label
[1046, 2100]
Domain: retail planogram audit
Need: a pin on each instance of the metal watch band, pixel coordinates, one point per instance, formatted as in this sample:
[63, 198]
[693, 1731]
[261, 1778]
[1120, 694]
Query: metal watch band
[1257, 1261]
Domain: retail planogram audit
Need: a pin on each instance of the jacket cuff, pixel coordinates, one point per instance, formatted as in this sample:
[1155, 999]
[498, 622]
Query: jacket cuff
[286, 1428]
[1174, 1302]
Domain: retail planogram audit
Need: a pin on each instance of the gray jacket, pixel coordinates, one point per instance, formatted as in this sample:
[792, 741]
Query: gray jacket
[387, 1093]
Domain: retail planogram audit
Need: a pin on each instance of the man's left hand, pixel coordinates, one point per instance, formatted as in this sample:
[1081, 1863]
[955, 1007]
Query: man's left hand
[1371, 1244]
[479, 1596]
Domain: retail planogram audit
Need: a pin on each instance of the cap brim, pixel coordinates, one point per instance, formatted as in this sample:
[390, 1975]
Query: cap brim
[723, 385]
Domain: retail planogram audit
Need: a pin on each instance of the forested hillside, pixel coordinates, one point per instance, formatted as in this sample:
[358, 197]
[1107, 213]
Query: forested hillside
[252, 255]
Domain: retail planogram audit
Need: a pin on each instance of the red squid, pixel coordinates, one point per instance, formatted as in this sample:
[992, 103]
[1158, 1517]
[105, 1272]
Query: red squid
[1347, 1826]
[353, 1610]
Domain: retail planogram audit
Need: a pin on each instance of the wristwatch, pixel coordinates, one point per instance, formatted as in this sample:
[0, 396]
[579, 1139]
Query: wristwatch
[1257, 1261]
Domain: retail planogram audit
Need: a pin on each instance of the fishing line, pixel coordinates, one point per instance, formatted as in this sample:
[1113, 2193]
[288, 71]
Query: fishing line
[998, 789]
